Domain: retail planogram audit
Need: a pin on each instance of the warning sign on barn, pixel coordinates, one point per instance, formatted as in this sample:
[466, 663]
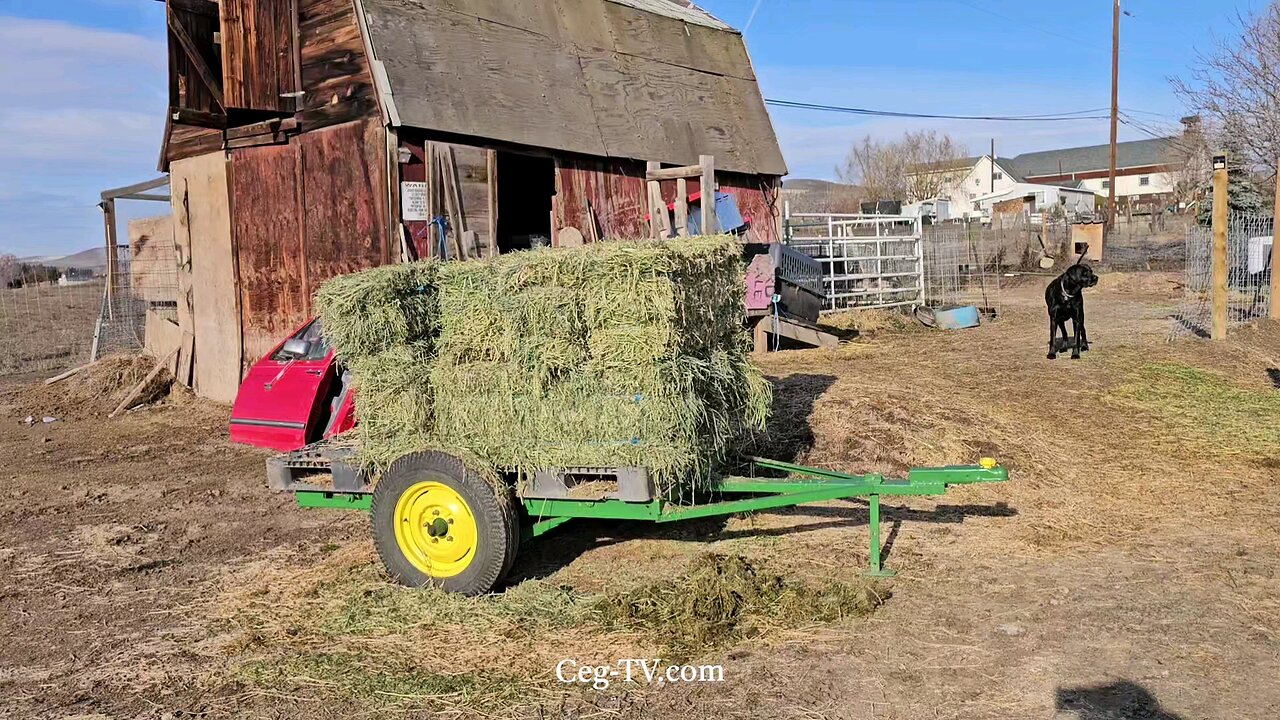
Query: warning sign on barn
[413, 201]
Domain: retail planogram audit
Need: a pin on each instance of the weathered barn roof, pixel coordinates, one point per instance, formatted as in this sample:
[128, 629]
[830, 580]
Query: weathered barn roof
[679, 10]
[642, 79]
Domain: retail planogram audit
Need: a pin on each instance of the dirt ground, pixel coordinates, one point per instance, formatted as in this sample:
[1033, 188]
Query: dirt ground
[1129, 570]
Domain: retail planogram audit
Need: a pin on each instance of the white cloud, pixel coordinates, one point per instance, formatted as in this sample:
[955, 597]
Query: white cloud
[81, 109]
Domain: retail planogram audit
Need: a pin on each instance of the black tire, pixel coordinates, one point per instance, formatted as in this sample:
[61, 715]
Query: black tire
[497, 523]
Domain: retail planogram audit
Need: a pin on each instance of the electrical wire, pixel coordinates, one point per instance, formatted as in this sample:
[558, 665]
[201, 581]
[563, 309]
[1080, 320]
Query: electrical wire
[1045, 117]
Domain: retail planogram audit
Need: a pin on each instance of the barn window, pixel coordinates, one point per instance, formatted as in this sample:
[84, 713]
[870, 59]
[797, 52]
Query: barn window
[997, 176]
[1144, 181]
[1106, 184]
[195, 61]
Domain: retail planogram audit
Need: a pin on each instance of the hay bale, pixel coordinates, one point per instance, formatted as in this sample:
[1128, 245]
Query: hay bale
[378, 310]
[615, 354]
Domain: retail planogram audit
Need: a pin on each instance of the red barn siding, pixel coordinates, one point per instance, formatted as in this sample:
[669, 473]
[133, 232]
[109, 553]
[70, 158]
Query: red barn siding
[267, 226]
[303, 213]
[616, 191]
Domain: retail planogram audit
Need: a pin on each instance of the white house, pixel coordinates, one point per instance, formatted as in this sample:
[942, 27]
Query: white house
[1034, 198]
[1145, 172]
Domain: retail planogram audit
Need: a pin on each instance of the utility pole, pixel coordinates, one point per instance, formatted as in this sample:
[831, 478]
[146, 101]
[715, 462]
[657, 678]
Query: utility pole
[1115, 113]
[993, 164]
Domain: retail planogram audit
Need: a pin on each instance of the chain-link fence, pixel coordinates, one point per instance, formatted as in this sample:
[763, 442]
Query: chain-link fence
[1249, 247]
[53, 319]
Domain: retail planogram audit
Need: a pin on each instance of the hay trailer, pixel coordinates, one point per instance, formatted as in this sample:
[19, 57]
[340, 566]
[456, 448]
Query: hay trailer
[438, 522]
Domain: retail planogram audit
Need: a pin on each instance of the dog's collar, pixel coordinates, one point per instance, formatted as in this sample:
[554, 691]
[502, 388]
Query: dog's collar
[1066, 295]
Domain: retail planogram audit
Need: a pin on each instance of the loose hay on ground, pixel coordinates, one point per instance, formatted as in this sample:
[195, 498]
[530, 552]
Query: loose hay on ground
[95, 390]
[720, 599]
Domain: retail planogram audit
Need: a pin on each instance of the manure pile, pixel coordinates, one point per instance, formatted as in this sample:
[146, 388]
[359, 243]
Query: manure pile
[614, 354]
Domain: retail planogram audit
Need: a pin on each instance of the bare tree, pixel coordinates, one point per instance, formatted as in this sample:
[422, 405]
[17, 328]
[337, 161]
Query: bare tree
[1237, 87]
[8, 270]
[919, 166]
[1189, 156]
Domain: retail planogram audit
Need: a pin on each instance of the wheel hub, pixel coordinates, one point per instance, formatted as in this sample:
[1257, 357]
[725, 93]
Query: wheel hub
[436, 529]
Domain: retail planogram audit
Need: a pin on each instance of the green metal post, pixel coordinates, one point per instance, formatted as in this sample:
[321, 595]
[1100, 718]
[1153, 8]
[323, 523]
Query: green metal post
[876, 569]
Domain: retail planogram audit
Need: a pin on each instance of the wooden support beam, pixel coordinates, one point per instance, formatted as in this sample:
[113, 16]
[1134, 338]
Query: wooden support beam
[135, 188]
[682, 207]
[491, 160]
[659, 221]
[710, 224]
[113, 253]
[453, 201]
[675, 173]
[194, 59]
[145, 196]
[1220, 219]
[198, 118]
[198, 7]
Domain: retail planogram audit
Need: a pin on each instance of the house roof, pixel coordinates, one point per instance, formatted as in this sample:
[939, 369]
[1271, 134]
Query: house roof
[1022, 189]
[657, 80]
[1137, 153]
[944, 166]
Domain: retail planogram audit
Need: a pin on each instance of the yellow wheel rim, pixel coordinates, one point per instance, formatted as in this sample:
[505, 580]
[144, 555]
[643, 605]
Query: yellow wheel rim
[435, 529]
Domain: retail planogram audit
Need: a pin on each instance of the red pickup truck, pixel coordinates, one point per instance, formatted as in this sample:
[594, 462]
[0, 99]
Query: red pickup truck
[294, 396]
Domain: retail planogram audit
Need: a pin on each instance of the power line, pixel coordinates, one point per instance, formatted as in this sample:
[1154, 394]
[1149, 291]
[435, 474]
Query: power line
[1024, 24]
[1045, 117]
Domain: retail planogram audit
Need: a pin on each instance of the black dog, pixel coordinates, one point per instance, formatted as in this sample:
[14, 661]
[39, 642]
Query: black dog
[1065, 298]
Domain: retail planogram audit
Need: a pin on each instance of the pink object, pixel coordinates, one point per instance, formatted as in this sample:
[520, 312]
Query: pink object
[285, 404]
[760, 282]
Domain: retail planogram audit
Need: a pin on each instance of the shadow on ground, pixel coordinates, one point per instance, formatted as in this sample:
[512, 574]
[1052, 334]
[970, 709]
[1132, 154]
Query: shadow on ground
[1121, 700]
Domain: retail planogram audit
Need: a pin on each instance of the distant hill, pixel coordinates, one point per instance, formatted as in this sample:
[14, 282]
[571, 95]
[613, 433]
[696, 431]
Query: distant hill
[811, 185]
[91, 259]
[823, 196]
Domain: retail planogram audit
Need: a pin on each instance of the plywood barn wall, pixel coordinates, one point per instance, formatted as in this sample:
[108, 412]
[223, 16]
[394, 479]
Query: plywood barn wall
[202, 223]
[153, 263]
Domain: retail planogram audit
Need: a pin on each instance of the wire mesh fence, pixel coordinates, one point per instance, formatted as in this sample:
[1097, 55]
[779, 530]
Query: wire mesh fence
[1249, 248]
[47, 324]
[51, 320]
[958, 269]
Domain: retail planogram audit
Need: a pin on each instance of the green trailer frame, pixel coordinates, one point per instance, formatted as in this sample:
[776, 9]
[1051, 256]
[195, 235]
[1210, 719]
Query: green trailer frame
[800, 486]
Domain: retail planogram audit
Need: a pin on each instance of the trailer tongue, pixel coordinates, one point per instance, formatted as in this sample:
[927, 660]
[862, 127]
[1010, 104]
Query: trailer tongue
[436, 523]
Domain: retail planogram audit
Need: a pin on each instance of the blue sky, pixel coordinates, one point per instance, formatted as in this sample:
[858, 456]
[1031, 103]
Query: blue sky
[82, 85]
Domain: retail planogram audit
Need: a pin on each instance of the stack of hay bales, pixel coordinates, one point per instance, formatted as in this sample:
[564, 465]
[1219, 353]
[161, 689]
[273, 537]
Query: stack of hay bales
[615, 354]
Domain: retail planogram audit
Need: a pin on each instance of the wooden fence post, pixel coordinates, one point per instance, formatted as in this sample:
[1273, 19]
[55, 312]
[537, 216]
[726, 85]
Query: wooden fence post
[709, 224]
[1220, 219]
[1274, 313]
[113, 253]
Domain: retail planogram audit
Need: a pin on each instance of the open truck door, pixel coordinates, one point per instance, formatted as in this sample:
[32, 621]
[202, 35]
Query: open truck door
[295, 395]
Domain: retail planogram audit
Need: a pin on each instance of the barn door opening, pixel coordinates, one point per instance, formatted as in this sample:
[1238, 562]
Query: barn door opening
[526, 184]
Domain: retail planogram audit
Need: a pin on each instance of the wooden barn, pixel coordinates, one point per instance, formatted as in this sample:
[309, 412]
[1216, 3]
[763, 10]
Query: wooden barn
[310, 138]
